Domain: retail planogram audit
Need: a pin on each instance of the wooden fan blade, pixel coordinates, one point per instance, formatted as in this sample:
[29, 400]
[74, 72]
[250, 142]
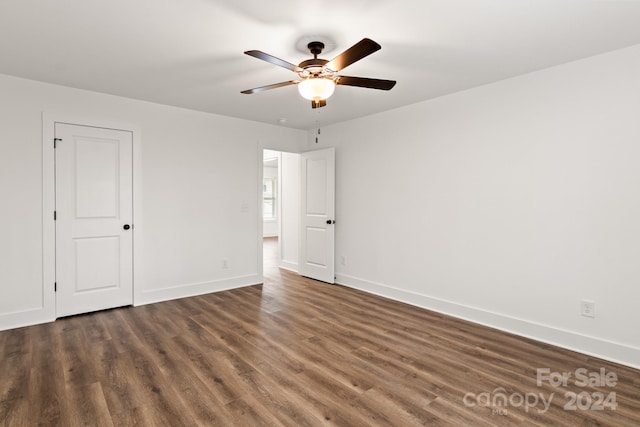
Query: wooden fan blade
[365, 82]
[273, 60]
[318, 104]
[273, 86]
[364, 47]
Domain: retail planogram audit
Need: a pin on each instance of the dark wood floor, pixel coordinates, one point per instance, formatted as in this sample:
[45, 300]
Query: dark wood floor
[290, 352]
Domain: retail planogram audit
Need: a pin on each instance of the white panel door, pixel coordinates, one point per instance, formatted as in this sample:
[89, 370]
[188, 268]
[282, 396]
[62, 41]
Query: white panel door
[94, 210]
[317, 203]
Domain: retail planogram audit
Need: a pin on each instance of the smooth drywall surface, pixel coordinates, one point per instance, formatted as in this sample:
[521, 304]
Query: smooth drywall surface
[197, 197]
[507, 204]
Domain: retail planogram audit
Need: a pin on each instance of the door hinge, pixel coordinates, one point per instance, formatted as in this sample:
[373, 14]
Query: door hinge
[55, 215]
[55, 286]
[55, 141]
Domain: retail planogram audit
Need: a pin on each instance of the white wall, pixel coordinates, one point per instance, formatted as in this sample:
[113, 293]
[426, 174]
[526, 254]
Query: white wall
[198, 170]
[505, 204]
[290, 209]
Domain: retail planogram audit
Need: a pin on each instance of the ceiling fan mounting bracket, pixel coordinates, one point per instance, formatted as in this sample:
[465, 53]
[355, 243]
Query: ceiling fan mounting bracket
[315, 48]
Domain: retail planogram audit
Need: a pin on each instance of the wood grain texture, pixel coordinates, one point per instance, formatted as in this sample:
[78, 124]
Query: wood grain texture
[290, 352]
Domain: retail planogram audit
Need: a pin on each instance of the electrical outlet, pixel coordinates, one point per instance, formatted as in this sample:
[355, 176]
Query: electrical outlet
[588, 308]
[225, 263]
[343, 260]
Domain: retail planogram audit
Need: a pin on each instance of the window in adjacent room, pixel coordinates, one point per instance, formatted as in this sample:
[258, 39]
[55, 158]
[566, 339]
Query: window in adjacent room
[269, 198]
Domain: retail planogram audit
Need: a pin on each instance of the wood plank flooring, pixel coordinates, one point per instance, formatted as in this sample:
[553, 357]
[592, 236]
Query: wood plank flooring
[291, 352]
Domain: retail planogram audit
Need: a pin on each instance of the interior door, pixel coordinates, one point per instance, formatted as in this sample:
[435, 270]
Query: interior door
[317, 203]
[94, 210]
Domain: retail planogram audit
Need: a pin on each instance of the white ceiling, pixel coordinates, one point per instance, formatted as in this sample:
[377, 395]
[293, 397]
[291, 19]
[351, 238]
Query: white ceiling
[189, 53]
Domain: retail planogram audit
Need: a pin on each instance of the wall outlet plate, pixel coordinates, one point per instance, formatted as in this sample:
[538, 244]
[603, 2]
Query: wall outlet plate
[588, 308]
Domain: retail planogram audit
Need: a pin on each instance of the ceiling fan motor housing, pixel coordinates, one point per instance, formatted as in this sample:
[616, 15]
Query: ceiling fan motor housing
[314, 67]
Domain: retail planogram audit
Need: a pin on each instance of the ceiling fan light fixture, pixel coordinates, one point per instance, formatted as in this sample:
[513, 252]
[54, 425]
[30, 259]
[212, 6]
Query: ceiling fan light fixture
[316, 88]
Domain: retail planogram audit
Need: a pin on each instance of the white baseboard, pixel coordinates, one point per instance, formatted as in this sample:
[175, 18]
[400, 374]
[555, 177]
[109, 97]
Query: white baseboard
[29, 317]
[612, 351]
[288, 265]
[44, 315]
[193, 289]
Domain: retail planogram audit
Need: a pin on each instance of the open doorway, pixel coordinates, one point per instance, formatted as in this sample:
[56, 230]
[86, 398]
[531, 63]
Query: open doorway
[280, 210]
[270, 210]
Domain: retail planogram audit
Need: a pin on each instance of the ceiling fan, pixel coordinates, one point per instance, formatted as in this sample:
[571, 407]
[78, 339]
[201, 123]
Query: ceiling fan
[318, 77]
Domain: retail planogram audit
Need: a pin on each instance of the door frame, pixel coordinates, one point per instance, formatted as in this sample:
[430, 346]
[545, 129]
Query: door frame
[49, 200]
[260, 174]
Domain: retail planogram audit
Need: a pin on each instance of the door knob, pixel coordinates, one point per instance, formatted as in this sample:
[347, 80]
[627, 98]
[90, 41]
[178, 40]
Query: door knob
[330, 221]
[126, 226]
